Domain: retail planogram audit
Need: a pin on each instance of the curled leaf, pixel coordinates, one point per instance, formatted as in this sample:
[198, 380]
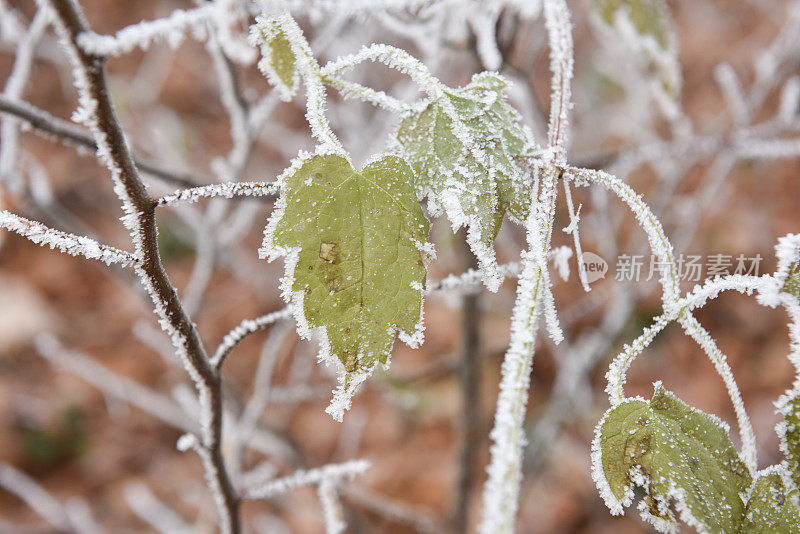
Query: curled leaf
[278, 57]
[464, 147]
[792, 285]
[675, 453]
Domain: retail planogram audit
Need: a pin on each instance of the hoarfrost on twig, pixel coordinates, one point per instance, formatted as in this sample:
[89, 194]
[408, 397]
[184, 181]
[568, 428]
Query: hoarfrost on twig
[501, 491]
[74, 245]
[169, 29]
[337, 472]
[225, 190]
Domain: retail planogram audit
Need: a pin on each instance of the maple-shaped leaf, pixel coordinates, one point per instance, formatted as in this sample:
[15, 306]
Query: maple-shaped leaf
[673, 452]
[465, 147]
[355, 270]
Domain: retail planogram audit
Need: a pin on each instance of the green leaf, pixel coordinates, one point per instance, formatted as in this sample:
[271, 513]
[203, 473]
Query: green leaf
[278, 59]
[792, 285]
[789, 432]
[651, 20]
[282, 59]
[647, 16]
[673, 451]
[355, 264]
[464, 148]
[772, 507]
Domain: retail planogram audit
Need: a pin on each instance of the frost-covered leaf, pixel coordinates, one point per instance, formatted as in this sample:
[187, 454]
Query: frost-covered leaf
[772, 508]
[789, 432]
[645, 26]
[674, 452]
[279, 59]
[464, 147]
[792, 284]
[355, 270]
[282, 59]
[647, 16]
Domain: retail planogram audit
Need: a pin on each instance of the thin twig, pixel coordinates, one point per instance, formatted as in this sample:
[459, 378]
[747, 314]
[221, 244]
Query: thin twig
[75, 245]
[421, 520]
[470, 426]
[44, 122]
[227, 190]
[244, 329]
[98, 112]
[301, 477]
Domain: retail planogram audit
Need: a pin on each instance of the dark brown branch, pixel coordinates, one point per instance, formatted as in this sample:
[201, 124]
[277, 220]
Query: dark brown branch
[140, 217]
[470, 427]
[46, 123]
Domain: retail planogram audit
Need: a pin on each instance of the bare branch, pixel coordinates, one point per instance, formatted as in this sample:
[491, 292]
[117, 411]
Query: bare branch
[43, 122]
[75, 245]
[227, 190]
[35, 496]
[339, 472]
[97, 112]
[245, 328]
[111, 383]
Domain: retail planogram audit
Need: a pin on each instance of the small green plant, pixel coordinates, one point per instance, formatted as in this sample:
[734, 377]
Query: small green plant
[683, 458]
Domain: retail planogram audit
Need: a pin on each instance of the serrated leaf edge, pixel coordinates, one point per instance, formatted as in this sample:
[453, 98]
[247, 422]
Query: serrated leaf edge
[262, 34]
[674, 494]
[349, 382]
[485, 255]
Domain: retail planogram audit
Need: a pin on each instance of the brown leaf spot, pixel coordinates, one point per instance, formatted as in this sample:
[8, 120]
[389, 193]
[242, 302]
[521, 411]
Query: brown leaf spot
[328, 252]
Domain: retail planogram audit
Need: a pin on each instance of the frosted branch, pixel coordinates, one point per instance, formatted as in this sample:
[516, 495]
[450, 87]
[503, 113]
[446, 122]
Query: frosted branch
[366, 94]
[74, 245]
[331, 508]
[244, 329]
[693, 328]
[659, 244]
[171, 29]
[471, 278]
[392, 57]
[35, 496]
[96, 111]
[559, 34]
[226, 190]
[574, 219]
[501, 491]
[335, 472]
[44, 123]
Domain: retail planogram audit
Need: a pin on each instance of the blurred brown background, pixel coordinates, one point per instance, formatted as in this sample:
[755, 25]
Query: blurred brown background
[76, 441]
